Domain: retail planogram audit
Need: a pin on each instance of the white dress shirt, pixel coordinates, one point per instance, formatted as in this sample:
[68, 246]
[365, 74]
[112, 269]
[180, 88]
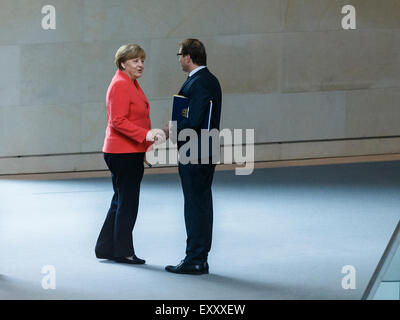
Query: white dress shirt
[195, 70]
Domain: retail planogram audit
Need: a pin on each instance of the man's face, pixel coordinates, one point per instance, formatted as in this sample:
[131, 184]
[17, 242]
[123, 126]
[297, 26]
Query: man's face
[184, 61]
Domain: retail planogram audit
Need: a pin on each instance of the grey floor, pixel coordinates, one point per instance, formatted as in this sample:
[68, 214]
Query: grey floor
[282, 233]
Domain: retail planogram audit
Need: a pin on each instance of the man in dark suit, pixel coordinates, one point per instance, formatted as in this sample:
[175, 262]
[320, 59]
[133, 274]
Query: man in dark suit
[201, 88]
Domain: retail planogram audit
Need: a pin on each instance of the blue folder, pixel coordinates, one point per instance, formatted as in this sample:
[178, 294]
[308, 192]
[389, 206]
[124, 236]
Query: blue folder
[180, 111]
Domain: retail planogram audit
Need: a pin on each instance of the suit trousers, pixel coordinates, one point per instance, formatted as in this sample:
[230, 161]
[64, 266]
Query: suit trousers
[115, 239]
[196, 182]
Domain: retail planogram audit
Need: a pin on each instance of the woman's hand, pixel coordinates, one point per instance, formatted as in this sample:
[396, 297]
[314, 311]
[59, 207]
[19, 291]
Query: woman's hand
[156, 135]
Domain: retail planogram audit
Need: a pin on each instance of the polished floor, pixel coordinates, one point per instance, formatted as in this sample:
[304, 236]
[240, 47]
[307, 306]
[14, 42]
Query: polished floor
[280, 233]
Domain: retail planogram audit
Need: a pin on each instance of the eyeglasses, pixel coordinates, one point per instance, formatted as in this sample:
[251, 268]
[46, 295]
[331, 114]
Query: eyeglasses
[179, 54]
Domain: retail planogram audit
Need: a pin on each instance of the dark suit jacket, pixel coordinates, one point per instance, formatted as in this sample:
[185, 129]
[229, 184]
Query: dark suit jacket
[200, 88]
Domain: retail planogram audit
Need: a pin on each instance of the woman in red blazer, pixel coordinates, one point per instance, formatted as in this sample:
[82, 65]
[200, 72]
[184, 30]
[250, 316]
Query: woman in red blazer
[128, 136]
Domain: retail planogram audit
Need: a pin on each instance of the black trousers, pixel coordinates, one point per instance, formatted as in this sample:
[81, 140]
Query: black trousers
[115, 239]
[196, 182]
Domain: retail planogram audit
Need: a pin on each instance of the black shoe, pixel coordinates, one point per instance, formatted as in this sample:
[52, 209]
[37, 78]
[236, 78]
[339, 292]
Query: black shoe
[129, 260]
[188, 268]
[100, 256]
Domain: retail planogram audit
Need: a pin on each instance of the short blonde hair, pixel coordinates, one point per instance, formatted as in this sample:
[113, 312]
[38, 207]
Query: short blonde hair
[127, 52]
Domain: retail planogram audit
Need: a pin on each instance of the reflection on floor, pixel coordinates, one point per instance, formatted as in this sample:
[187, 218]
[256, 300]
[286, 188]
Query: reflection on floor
[281, 233]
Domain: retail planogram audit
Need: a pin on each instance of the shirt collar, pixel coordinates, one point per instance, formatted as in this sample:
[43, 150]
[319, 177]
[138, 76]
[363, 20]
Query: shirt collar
[195, 70]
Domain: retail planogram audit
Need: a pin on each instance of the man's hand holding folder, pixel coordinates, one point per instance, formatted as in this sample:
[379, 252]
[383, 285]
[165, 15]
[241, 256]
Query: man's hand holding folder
[181, 111]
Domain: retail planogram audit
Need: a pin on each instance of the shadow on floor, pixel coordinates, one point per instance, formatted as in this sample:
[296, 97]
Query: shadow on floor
[261, 289]
[18, 289]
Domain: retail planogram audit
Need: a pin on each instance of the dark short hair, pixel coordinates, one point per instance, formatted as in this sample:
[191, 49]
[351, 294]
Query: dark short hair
[196, 50]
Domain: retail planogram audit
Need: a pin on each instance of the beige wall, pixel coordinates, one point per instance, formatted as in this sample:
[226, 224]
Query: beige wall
[287, 69]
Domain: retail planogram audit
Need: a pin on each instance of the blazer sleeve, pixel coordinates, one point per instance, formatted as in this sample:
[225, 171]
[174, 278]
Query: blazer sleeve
[199, 102]
[119, 104]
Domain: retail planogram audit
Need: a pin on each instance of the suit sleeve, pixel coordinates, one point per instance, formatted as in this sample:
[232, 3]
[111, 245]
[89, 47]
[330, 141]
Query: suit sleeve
[119, 104]
[198, 106]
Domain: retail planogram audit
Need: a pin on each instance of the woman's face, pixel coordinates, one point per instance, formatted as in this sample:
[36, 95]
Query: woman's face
[134, 67]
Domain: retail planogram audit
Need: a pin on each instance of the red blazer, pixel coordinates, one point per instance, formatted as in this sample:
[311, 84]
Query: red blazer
[128, 116]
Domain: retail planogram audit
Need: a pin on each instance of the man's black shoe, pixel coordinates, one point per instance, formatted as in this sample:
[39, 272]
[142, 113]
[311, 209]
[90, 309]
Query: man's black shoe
[188, 268]
[129, 260]
[98, 256]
